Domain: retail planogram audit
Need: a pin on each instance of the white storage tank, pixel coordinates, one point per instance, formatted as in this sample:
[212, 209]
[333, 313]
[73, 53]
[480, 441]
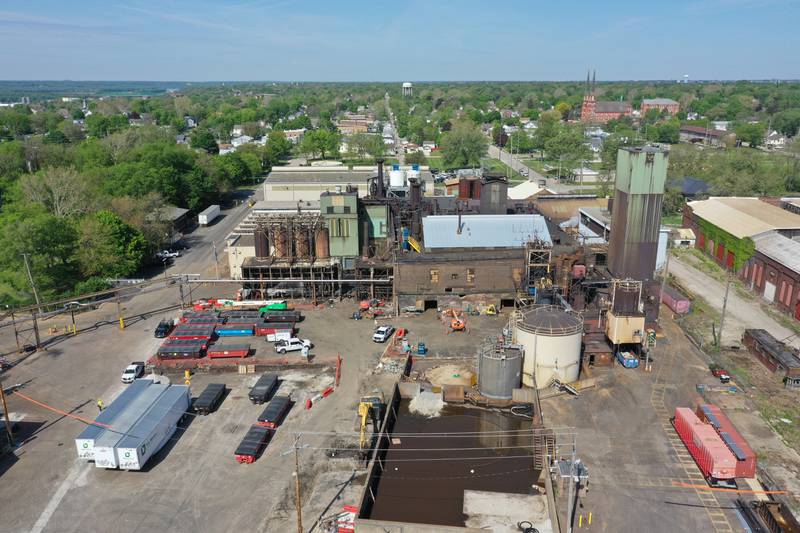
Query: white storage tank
[397, 177]
[551, 338]
[413, 173]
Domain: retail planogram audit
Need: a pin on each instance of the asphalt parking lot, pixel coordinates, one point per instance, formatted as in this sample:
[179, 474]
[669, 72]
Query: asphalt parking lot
[194, 483]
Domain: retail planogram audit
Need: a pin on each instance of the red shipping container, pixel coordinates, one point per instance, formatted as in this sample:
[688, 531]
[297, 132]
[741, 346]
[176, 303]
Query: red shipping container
[705, 445]
[677, 302]
[745, 457]
[192, 332]
[228, 350]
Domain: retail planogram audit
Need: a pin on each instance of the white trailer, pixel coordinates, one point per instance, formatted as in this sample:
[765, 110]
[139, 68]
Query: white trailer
[208, 215]
[105, 447]
[154, 429]
[84, 442]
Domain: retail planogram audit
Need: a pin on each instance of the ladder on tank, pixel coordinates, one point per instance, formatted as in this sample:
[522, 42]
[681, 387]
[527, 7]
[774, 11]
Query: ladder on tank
[414, 243]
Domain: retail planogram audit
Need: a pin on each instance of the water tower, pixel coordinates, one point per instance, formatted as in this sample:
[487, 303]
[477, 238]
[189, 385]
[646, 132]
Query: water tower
[408, 89]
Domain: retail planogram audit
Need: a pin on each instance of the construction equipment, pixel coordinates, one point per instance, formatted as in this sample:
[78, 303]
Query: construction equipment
[414, 243]
[422, 349]
[370, 407]
[491, 310]
[456, 322]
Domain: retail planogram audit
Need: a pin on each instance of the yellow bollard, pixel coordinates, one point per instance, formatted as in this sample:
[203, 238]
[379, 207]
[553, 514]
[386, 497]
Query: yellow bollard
[590, 518]
[580, 521]
[121, 323]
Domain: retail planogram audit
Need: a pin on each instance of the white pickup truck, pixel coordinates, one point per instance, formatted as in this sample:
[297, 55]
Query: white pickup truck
[133, 371]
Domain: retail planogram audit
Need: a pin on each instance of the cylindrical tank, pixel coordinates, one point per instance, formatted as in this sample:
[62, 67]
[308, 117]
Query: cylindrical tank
[499, 370]
[302, 248]
[282, 243]
[322, 243]
[626, 297]
[261, 242]
[551, 338]
[413, 173]
[397, 178]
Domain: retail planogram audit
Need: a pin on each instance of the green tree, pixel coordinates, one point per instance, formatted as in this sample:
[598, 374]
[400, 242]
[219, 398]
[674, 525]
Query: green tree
[203, 139]
[278, 145]
[375, 147]
[752, 134]
[787, 122]
[464, 145]
[416, 158]
[548, 127]
[109, 247]
[568, 148]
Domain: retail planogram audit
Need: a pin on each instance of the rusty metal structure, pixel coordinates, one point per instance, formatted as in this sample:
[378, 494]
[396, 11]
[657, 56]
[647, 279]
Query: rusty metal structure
[636, 214]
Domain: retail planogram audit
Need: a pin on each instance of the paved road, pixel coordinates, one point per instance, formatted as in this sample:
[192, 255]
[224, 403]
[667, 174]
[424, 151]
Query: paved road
[199, 258]
[401, 155]
[515, 163]
[740, 314]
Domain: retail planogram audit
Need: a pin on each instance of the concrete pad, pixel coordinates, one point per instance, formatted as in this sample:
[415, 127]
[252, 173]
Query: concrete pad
[500, 512]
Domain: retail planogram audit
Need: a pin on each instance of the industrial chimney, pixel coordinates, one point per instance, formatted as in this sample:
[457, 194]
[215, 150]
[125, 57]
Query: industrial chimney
[380, 187]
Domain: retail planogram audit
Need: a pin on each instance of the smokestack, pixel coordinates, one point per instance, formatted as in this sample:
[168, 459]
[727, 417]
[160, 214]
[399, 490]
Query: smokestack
[379, 185]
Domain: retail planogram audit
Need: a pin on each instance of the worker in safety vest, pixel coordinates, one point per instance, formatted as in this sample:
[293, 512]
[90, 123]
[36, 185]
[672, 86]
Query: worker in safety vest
[99, 404]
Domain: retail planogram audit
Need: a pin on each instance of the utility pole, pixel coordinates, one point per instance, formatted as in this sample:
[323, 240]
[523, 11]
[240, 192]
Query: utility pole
[216, 261]
[571, 497]
[724, 307]
[30, 277]
[5, 414]
[297, 485]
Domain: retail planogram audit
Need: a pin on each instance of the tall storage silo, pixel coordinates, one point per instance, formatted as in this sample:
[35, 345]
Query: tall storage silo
[551, 338]
[499, 370]
[261, 241]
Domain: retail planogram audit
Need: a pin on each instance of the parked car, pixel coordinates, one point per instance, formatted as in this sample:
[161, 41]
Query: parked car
[383, 333]
[163, 329]
[722, 374]
[133, 371]
[168, 254]
[292, 345]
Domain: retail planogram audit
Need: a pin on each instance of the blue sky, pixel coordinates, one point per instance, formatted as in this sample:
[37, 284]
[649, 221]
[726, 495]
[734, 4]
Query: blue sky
[343, 40]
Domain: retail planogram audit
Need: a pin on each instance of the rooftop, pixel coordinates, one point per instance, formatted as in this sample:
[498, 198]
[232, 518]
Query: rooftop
[659, 101]
[700, 130]
[332, 174]
[782, 249]
[612, 107]
[483, 231]
[524, 190]
[744, 217]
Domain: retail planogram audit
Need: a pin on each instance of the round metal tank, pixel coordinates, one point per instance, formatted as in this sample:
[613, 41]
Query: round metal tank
[551, 338]
[499, 371]
[302, 246]
[397, 178]
[282, 243]
[322, 244]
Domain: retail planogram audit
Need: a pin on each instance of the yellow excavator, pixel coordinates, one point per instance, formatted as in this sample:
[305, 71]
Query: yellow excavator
[372, 407]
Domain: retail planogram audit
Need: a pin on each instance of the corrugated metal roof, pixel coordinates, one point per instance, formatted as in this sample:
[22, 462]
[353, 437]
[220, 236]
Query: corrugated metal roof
[779, 248]
[524, 190]
[744, 217]
[483, 231]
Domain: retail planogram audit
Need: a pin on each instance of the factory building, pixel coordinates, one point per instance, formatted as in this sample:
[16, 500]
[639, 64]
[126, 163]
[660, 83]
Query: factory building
[295, 183]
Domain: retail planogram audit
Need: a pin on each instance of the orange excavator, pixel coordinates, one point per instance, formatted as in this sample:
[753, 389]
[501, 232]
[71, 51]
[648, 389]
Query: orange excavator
[456, 322]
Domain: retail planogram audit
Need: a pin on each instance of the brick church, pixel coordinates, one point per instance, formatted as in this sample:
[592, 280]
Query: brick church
[601, 112]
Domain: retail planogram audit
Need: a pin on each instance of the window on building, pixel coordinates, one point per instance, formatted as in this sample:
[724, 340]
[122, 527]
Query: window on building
[453, 276]
[339, 227]
[346, 209]
[434, 275]
[329, 209]
[470, 275]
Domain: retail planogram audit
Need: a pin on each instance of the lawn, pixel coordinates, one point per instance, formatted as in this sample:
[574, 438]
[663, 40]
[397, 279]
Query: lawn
[675, 219]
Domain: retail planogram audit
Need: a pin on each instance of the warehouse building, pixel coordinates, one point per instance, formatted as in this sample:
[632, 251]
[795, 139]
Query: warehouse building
[294, 183]
[469, 261]
[754, 238]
